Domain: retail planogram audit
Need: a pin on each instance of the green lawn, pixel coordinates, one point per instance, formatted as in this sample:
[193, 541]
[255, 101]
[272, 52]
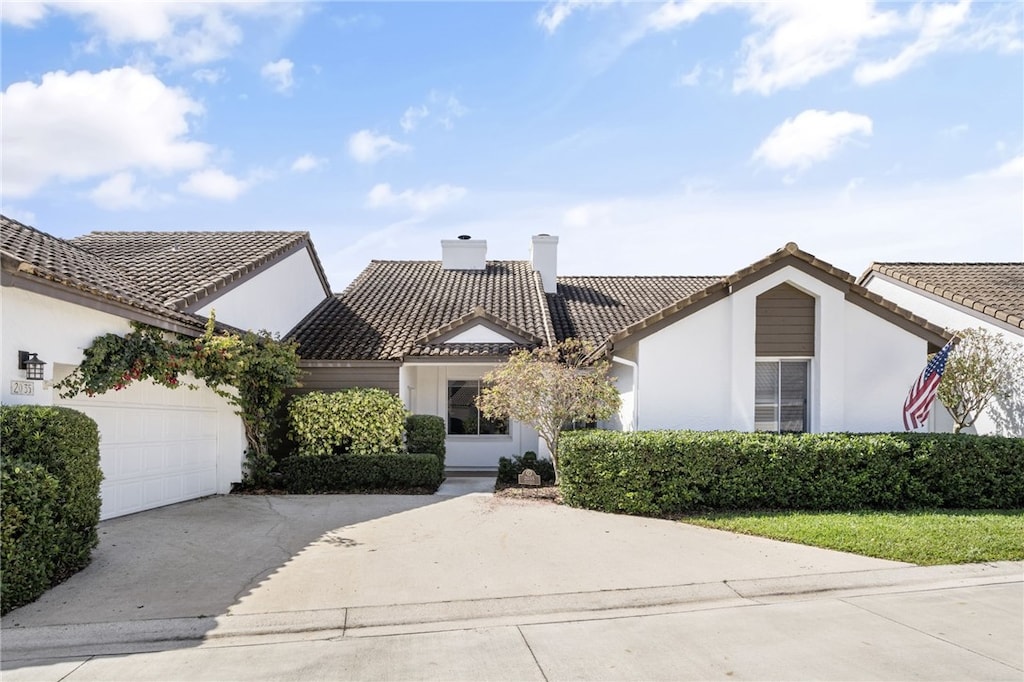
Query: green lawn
[925, 538]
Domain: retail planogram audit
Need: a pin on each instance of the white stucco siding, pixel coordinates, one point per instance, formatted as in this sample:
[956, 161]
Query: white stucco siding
[274, 299]
[882, 362]
[698, 373]
[157, 445]
[55, 330]
[1001, 417]
[685, 373]
[426, 392]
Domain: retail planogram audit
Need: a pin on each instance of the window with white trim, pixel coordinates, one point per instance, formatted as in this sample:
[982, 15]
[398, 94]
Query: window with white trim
[464, 418]
[780, 395]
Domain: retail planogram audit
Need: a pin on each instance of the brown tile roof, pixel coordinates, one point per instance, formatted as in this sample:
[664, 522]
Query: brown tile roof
[594, 308]
[790, 253]
[35, 254]
[396, 308]
[993, 289]
[182, 268]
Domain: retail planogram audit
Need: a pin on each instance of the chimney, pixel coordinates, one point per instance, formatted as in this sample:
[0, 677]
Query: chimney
[544, 257]
[464, 253]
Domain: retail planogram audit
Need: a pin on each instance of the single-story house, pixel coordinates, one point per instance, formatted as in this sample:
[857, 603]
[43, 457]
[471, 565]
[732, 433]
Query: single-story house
[158, 445]
[789, 343]
[960, 296]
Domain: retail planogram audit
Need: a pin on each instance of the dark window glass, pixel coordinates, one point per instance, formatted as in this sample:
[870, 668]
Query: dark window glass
[464, 419]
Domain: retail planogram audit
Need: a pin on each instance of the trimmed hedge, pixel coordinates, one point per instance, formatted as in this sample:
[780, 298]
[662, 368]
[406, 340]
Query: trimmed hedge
[361, 421]
[343, 473]
[65, 443]
[28, 499]
[671, 472]
[425, 433]
[510, 468]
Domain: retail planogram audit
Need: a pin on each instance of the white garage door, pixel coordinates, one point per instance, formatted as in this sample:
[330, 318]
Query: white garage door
[157, 446]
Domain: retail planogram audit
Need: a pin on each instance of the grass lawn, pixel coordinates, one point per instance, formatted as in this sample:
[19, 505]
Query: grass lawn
[918, 537]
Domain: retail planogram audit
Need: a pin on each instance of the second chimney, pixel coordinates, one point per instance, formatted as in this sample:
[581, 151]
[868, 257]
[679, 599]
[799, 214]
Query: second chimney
[464, 253]
[544, 258]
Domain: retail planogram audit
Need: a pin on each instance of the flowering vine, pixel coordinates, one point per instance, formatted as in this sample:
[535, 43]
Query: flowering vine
[251, 371]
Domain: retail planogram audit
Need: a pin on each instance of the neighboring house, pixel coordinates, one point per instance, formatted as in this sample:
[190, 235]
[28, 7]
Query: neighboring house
[959, 296]
[789, 343]
[158, 445]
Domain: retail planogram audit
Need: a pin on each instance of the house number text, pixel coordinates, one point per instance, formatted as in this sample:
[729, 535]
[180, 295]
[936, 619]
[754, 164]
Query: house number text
[23, 388]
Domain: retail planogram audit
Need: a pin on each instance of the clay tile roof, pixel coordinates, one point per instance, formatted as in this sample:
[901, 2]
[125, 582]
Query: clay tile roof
[397, 308]
[819, 268]
[594, 308]
[182, 268]
[993, 289]
[37, 254]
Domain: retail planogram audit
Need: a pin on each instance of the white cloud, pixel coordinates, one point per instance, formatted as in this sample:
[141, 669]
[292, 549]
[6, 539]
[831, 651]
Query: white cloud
[798, 41]
[306, 163]
[551, 15]
[81, 125]
[674, 14]
[208, 76]
[118, 192]
[937, 24]
[412, 117]
[23, 14]
[955, 131]
[587, 215]
[367, 146]
[279, 74]
[691, 78]
[1012, 169]
[810, 137]
[420, 200]
[183, 32]
[213, 183]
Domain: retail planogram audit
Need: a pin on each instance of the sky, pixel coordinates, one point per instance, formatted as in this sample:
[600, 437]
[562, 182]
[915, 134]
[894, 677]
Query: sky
[685, 138]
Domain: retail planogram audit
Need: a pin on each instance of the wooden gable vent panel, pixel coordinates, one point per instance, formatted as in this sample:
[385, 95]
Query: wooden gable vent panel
[785, 323]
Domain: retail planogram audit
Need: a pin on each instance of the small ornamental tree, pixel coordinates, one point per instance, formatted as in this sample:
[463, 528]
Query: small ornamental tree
[982, 367]
[549, 388]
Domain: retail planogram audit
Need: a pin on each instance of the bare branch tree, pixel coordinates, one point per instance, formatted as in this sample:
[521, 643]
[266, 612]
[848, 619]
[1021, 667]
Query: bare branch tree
[983, 366]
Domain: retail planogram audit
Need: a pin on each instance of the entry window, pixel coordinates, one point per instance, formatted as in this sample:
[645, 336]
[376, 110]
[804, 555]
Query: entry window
[464, 419]
[780, 396]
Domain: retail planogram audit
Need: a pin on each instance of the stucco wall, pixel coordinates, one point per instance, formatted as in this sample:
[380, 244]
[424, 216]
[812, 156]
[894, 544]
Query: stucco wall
[698, 373]
[59, 331]
[1006, 418]
[424, 390]
[275, 299]
[685, 373]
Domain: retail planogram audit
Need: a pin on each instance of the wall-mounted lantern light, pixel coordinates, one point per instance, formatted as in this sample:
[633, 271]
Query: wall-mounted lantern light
[32, 365]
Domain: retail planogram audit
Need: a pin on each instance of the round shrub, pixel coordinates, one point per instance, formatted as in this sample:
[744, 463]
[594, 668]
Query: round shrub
[425, 433]
[360, 421]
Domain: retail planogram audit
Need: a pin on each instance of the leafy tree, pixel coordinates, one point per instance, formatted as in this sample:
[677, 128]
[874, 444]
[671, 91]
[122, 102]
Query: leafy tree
[982, 367]
[549, 388]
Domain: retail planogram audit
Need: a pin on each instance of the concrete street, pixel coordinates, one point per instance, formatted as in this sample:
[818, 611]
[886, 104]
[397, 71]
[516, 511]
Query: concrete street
[463, 585]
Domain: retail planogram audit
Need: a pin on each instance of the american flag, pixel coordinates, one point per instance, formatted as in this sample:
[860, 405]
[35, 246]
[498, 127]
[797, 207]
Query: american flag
[919, 401]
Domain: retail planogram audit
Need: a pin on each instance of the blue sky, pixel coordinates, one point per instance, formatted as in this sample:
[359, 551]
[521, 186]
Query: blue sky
[653, 138]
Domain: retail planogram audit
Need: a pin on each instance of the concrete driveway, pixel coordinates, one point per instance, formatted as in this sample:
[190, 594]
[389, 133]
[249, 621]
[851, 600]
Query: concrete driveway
[299, 571]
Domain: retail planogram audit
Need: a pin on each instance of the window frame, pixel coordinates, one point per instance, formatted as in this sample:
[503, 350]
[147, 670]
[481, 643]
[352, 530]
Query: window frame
[479, 417]
[778, 361]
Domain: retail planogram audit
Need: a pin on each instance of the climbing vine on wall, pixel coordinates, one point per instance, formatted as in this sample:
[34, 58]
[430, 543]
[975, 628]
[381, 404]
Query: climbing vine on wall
[250, 370]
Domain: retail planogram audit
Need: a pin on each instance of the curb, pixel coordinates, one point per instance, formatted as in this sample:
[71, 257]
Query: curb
[86, 639]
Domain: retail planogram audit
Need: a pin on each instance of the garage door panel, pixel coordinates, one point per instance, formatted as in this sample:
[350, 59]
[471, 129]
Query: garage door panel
[157, 446]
